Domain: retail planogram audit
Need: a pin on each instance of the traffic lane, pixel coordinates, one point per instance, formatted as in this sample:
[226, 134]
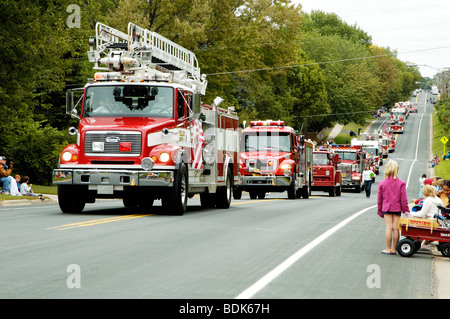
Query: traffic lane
[349, 265]
[203, 254]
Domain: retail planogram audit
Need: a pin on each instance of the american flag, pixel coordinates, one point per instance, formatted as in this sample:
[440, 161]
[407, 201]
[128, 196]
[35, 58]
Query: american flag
[199, 142]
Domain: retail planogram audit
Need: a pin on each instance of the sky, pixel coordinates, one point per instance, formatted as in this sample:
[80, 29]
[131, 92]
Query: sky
[418, 30]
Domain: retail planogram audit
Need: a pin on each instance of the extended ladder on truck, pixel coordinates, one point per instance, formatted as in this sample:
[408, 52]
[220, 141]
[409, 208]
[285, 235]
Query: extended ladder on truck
[145, 52]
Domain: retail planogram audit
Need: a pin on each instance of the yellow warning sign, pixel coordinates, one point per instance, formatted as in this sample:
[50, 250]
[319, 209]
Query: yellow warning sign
[444, 140]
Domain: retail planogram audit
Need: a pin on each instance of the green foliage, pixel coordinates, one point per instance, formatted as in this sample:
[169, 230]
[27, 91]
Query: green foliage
[35, 150]
[265, 57]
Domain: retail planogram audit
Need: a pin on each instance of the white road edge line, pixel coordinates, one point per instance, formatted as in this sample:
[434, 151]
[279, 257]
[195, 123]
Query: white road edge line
[264, 281]
[417, 149]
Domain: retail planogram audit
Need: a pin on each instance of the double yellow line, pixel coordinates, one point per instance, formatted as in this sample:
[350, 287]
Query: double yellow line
[133, 216]
[98, 221]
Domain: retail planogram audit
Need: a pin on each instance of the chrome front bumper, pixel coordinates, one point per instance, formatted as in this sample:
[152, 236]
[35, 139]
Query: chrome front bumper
[103, 177]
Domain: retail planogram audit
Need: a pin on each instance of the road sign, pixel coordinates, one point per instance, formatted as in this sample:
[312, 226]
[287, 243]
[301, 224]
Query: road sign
[444, 141]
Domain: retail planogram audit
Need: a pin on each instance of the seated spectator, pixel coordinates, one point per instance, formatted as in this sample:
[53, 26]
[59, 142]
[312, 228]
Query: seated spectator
[25, 188]
[447, 156]
[430, 203]
[5, 173]
[444, 194]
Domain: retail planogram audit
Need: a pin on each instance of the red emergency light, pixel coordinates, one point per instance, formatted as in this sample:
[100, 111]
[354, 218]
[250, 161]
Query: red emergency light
[267, 123]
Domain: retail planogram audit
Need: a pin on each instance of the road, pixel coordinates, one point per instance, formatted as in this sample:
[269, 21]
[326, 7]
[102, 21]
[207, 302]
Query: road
[275, 248]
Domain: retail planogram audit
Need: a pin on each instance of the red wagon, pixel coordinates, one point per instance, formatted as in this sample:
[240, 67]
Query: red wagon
[417, 230]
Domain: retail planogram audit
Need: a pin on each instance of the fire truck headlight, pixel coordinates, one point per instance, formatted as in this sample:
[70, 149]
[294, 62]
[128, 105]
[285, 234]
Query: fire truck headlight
[66, 156]
[147, 163]
[327, 173]
[285, 166]
[164, 157]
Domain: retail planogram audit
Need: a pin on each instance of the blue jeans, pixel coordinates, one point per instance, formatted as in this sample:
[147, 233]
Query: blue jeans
[6, 182]
[367, 187]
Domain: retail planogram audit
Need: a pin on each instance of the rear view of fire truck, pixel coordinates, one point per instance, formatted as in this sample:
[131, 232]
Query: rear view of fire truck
[274, 159]
[143, 132]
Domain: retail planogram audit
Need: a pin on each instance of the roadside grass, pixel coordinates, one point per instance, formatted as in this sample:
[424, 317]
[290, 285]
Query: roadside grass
[443, 169]
[344, 136]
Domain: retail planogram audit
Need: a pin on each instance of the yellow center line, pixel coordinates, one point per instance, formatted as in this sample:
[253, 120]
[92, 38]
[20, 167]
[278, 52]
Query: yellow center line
[133, 216]
[98, 221]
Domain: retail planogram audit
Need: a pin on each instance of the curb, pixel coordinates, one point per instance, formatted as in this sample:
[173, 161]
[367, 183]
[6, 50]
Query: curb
[20, 202]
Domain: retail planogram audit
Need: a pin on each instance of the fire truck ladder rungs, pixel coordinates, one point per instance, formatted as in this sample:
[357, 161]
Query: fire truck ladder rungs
[167, 53]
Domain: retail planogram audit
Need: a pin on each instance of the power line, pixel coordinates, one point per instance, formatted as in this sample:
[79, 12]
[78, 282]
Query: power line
[321, 63]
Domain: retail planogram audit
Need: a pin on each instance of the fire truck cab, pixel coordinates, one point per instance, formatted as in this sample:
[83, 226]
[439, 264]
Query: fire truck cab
[143, 132]
[274, 159]
[326, 175]
[372, 148]
[351, 166]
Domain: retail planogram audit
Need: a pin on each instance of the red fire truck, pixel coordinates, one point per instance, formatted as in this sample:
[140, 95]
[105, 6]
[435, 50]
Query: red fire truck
[351, 165]
[326, 175]
[398, 118]
[143, 132]
[274, 159]
[373, 150]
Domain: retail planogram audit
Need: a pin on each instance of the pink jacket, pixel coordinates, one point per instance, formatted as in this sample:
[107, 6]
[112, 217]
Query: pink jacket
[391, 196]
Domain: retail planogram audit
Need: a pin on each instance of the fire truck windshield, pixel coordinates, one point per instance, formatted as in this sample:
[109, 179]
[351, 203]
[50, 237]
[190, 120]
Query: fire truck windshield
[349, 156]
[266, 141]
[128, 100]
[320, 159]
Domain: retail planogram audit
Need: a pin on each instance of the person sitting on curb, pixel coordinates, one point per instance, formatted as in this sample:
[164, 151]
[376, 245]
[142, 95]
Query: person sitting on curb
[26, 190]
[5, 173]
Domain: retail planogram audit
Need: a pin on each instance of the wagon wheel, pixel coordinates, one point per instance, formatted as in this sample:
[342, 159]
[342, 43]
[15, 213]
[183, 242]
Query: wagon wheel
[406, 247]
[445, 248]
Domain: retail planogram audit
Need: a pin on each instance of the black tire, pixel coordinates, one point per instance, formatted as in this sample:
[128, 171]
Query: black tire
[207, 200]
[175, 201]
[291, 190]
[223, 195]
[445, 249]
[71, 198]
[332, 191]
[261, 195]
[237, 193]
[130, 200]
[253, 194]
[406, 247]
[338, 191]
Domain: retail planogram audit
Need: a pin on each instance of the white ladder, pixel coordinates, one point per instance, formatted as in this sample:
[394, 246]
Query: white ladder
[163, 49]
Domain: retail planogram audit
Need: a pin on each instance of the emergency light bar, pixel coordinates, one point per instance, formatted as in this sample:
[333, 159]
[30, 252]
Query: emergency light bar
[267, 123]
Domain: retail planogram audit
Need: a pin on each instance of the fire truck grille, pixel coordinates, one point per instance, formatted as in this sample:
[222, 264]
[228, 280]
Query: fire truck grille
[345, 169]
[263, 165]
[101, 143]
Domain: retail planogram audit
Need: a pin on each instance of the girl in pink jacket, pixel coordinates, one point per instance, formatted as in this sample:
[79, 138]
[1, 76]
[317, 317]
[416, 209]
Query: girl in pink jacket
[392, 201]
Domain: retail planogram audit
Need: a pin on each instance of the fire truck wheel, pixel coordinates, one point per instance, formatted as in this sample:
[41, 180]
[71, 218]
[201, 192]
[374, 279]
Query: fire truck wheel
[291, 190]
[332, 191]
[223, 195]
[175, 201]
[261, 195]
[207, 200]
[338, 191]
[70, 199]
[253, 195]
[237, 193]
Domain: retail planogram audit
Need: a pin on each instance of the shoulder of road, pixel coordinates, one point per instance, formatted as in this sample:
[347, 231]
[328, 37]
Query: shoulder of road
[25, 200]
